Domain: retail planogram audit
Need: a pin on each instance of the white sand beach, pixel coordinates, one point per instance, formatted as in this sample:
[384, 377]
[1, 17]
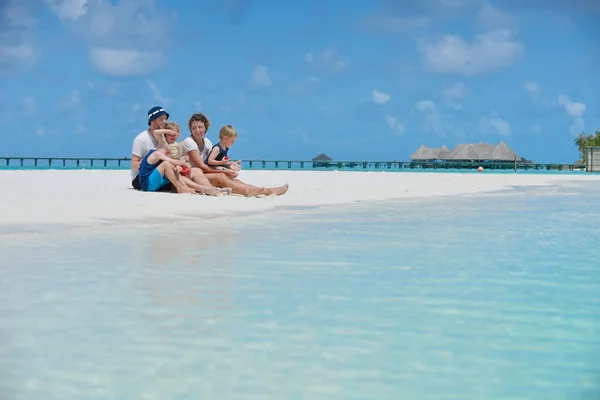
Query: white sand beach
[89, 197]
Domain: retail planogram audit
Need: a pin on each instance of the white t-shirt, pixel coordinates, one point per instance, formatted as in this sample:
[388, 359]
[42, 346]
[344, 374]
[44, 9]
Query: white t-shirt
[142, 144]
[190, 145]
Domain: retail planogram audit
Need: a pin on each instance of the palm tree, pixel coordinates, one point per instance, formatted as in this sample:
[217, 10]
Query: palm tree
[583, 141]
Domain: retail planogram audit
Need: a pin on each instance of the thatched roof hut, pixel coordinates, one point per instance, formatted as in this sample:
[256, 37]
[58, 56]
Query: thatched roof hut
[482, 152]
[503, 152]
[466, 152]
[322, 157]
[443, 153]
[427, 153]
[463, 152]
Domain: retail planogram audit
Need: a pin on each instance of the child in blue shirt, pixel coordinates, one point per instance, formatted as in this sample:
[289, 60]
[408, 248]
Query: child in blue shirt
[218, 156]
[159, 167]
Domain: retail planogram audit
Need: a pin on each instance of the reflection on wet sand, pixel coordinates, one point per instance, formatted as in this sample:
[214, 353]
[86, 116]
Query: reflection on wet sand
[186, 278]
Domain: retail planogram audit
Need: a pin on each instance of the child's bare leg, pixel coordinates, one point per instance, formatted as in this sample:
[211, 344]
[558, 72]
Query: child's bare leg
[169, 171]
[204, 189]
[198, 176]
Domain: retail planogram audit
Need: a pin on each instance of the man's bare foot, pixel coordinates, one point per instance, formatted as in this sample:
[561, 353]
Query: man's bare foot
[225, 191]
[256, 192]
[278, 191]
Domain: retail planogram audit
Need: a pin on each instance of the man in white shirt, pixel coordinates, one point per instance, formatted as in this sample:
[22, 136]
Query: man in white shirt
[144, 142]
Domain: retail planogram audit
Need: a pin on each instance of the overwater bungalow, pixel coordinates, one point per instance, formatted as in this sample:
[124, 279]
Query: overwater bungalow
[430, 154]
[322, 160]
[466, 152]
[466, 156]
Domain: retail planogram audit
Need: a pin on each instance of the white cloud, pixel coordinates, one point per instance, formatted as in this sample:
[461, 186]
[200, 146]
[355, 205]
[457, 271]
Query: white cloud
[260, 76]
[454, 93]
[16, 56]
[535, 90]
[17, 30]
[532, 87]
[458, 91]
[396, 126]
[67, 9]
[125, 62]
[73, 100]
[16, 14]
[73, 104]
[29, 106]
[577, 127]
[425, 105]
[157, 95]
[380, 97]
[378, 22]
[574, 110]
[433, 120]
[329, 59]
[489, 17]
[125, 38]
[536, 128]
[488, 52]
[495, 123]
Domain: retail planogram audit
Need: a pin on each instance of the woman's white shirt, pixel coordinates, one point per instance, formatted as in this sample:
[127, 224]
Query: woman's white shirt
[189, 145]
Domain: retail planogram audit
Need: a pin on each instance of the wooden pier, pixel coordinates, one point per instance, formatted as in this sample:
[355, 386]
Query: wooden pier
[125, 163]
[65, 162]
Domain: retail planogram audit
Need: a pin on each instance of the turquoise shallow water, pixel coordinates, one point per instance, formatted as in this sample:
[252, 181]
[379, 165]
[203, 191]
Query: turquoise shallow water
[71, 165]
[489, 297]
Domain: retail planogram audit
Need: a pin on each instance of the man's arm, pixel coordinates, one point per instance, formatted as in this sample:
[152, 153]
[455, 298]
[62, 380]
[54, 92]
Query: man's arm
[136, 153]
[135, 162]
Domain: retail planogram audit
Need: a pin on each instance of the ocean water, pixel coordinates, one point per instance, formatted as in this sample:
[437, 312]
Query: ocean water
[494, 296]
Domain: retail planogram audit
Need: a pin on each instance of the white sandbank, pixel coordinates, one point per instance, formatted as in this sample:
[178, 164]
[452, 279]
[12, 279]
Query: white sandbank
[88, 197]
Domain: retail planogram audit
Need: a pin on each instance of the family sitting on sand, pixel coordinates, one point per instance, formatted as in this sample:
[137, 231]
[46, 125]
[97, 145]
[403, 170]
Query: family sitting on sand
[194, 165]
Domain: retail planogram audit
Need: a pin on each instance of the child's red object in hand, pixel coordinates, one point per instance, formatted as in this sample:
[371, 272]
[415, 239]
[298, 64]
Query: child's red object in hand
[185, 171]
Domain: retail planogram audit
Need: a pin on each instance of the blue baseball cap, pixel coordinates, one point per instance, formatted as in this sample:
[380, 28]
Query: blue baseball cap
[156, 112]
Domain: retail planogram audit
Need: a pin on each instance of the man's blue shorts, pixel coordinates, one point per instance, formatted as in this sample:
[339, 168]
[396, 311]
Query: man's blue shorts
[156, 181]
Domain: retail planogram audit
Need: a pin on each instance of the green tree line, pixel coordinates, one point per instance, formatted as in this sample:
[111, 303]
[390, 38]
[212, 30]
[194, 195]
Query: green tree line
[583, 141]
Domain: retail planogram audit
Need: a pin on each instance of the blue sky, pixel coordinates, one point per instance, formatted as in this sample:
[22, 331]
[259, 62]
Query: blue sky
[357, 80]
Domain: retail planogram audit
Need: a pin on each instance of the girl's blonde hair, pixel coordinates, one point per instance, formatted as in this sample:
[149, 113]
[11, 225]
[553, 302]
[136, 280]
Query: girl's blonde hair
[173, 125]
[174, 151]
